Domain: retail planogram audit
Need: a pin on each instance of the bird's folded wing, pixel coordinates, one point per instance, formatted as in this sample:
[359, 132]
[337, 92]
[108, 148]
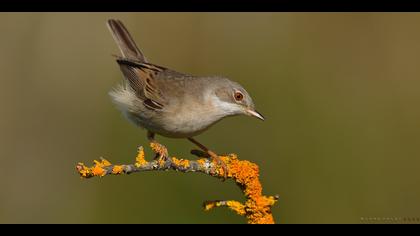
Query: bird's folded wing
[142, 78]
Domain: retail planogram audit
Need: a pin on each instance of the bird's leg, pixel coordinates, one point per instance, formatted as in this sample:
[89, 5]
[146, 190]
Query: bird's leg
[159, 149]
[212, 155]
[200, 153]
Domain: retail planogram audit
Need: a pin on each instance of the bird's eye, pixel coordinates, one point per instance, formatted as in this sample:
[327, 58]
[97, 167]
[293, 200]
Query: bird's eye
[238, 96]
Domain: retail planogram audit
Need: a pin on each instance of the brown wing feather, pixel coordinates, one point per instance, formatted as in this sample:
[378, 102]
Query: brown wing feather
[142, 78]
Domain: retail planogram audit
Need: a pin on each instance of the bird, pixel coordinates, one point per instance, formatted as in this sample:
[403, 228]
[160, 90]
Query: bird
[170, 103]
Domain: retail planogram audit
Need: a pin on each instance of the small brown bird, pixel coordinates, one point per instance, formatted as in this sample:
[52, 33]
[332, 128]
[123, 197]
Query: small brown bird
[170, 103]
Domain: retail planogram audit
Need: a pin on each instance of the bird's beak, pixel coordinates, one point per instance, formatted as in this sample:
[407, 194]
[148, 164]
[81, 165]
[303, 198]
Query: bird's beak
[255, 114]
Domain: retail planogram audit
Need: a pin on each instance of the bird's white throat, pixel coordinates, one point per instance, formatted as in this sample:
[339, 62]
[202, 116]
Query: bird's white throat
[224, 108]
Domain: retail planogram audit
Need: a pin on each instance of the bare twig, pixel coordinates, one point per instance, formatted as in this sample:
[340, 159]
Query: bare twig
[257, 207]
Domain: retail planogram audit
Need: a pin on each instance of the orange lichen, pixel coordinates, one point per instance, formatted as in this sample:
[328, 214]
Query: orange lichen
[201, 162]
[257, 208]
[180, 162]
[96, 170]
[117, 170]
[83, 170]
[140, 160]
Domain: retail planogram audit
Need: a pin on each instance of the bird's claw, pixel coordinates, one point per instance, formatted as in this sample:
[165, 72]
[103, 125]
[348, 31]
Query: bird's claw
[160, 150]
[220, 163]
[214, 157]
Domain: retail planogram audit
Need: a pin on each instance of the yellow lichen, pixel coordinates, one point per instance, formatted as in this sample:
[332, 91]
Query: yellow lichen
[117, 169]
[105, 162]
[140, 160]
[161, 162]
[201, 162]
[210, 205]
[236, 206]
[180, 162]
[83, 170]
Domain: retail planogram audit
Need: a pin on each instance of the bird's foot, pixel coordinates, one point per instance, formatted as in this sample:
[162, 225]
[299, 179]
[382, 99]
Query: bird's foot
[160, 150]
[219, 163]
[223, 166]
[214, 157]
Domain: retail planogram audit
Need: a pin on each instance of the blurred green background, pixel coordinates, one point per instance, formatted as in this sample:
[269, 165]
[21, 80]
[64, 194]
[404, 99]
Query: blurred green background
[340, 93]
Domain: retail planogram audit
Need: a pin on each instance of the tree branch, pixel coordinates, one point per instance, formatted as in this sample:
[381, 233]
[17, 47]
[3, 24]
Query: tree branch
[257, 207]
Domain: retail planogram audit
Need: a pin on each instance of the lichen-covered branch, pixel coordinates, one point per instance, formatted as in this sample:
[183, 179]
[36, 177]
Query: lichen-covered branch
[257, 207]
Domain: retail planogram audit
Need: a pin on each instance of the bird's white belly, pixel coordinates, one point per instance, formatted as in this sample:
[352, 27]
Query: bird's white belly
[176, 125]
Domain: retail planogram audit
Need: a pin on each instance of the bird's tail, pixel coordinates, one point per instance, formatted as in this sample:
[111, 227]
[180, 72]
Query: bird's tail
[124, 41]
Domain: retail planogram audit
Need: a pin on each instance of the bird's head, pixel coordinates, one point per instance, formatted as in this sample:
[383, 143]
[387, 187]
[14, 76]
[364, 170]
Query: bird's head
[233, 99]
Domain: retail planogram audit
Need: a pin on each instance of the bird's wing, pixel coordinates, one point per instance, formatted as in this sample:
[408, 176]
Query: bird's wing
[124, 41]
[142, 77]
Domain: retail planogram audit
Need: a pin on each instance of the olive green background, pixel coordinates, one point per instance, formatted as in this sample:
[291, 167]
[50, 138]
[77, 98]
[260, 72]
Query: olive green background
[340, 93]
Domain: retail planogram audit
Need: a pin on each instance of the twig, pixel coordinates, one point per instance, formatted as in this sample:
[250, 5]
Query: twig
[257, 207]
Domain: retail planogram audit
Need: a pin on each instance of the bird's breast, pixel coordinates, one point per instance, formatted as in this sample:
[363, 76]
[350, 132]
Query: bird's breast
[188, 117]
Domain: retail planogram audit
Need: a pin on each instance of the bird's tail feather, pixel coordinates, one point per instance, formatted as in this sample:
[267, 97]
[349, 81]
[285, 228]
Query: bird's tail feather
[124, 41]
